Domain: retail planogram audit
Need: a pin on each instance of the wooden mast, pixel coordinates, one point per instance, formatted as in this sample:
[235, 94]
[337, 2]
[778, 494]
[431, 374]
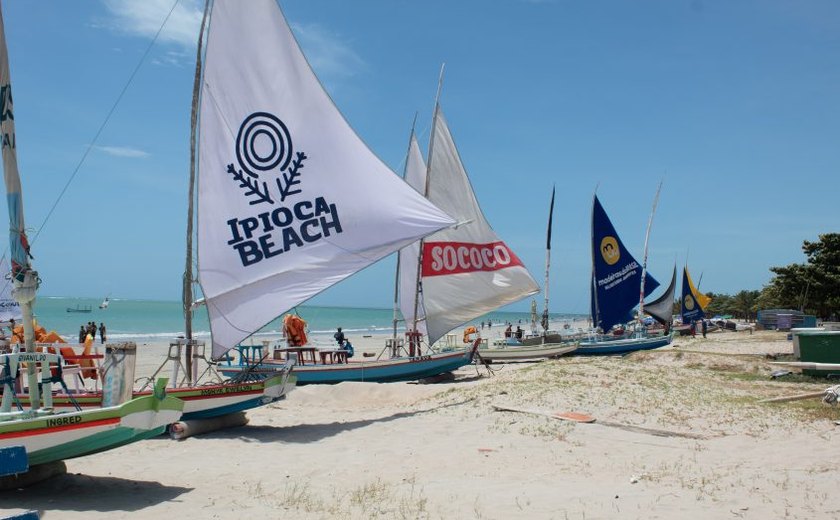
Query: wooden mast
[187, 291]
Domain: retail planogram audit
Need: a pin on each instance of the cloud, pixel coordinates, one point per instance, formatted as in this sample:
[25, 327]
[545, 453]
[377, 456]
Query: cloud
[328, 55]
[123, 151]
[143, 18]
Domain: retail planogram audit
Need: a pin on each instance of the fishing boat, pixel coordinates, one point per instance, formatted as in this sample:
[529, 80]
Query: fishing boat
[692, 303]
[206, 394]
[619, 283]
[548, 344]
[46, 434]
[284, 197]
[80, 308]
[461, 273]
[662, 308]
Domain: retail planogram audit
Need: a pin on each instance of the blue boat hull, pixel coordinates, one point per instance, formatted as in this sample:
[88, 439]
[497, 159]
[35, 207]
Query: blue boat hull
[397, 369]
[620, 346]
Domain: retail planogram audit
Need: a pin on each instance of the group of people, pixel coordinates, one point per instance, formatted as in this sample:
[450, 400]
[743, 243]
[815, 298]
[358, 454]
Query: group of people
[343, 342]
[509, 333]
[90, 329]
[704, 326]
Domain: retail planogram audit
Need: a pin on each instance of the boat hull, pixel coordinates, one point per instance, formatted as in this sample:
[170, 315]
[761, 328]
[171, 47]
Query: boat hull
[396, 369]
[201, 402]
[620, 346]
[61, 436]
[522, 353]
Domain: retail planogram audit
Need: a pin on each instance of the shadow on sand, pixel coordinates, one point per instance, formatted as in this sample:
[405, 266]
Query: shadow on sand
[304, 433]
[79, 492]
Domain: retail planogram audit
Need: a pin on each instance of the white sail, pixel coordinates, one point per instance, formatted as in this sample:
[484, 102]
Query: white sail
[9, 308]
[415, 176]
[467, 270]
[290, 200]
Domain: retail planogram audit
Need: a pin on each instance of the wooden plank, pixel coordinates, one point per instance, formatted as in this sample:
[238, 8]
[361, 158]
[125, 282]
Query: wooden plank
[797, 397]
[584, 418]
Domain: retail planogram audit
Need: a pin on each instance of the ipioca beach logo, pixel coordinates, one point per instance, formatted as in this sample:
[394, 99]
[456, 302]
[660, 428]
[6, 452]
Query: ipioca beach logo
[269, 174]
[264, 147]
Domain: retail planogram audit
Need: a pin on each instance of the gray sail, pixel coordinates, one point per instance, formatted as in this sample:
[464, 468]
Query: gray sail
[662, 308]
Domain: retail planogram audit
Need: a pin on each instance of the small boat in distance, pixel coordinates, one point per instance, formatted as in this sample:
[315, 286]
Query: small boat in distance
[104, 304]
[79, 308]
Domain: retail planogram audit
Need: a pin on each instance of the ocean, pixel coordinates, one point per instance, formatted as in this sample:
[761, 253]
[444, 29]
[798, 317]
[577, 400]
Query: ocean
[148, 320]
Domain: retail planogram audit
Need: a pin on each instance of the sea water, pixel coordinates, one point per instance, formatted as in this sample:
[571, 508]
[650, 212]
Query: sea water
[148, 320]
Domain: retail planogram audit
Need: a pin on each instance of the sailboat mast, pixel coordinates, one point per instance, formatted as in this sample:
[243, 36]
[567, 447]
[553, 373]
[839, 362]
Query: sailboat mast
[399, 253]
[592, 287]
[25, 278]
[547, 262]
[187, 291]
[644, 258]
[426, 193]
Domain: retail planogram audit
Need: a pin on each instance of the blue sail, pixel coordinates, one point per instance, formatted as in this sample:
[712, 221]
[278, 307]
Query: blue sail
[616, 275]
[693, 302]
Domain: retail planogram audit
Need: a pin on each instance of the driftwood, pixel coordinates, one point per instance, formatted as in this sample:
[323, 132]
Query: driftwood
[183, 429]
[797, 397]
[578, 417]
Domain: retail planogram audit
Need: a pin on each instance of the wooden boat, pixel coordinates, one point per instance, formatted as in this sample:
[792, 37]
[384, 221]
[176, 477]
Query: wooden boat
[523, 353]
[46, 434]
[453, 293]
[206, 395]
[397, 368]
[50, 434]
[619, 283]
[543, 346]
[210, 396]
[692, 302]
[464, 271]
[78, 308]
[275, 149]
[602, 346]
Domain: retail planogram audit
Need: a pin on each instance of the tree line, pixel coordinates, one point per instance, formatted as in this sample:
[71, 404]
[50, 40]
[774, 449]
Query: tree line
[812, 287]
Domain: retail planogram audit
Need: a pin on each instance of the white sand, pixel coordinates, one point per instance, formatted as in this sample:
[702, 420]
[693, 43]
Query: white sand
[400, 450]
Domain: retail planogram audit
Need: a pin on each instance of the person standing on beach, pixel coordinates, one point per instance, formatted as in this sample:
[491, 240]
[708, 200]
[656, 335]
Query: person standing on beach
[82, 334]
[102, 332]
[704, 328]
[339, 337]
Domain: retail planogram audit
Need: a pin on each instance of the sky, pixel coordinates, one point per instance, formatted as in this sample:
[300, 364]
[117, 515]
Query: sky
[734, 106]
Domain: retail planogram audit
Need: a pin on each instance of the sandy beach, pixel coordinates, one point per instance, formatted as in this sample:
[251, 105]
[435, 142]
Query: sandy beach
[679, 433]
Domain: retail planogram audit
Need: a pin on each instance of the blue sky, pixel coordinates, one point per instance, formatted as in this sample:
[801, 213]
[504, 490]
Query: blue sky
[733, 104]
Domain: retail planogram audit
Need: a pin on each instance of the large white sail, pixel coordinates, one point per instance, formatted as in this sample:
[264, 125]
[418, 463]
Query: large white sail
[467, 270]
[410, 305]
[24, 278]
[291, 200]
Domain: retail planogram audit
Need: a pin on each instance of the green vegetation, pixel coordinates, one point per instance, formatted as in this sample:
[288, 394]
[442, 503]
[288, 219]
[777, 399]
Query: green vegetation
[812, 287]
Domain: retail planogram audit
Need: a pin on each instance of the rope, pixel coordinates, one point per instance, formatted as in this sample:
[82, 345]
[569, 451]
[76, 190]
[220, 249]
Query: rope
[104, 123]
[481, 360]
